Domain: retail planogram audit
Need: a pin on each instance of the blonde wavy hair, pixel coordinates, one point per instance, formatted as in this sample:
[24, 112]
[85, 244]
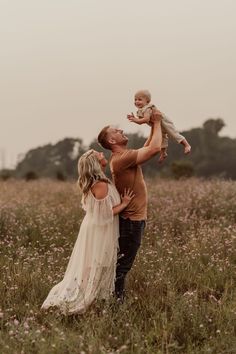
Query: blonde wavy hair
[90, 171]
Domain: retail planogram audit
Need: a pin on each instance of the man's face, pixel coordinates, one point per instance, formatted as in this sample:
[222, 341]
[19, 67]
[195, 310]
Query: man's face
[116, 136]
[140, 101]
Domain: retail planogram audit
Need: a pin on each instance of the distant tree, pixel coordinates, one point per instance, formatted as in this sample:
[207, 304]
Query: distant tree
[45, 161]
[5, 174]
[214, 126]
[136, 140]
[211, 155]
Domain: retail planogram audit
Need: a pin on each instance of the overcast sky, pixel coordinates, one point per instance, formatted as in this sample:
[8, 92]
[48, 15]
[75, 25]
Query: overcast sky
[69, 67]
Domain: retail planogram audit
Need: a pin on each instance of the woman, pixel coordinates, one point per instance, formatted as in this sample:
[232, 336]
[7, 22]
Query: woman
[90, 273]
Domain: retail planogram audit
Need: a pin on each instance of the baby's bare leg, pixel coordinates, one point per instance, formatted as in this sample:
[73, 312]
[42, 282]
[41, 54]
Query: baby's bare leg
[169, 127]
[164, 146]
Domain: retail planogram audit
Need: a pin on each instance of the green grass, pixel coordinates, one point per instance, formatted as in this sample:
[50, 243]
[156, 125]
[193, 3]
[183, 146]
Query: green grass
[181, 290]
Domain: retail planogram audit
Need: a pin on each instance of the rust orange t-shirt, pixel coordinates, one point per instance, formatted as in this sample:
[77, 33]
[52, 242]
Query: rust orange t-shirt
[127, 174]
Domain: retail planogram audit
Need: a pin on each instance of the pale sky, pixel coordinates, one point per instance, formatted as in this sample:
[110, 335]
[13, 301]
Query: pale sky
[69, 67]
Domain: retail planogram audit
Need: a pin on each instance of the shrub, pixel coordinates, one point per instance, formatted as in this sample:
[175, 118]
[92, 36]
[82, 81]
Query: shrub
[30, 175]
[182, 169]
[60, 176]
[5, 175]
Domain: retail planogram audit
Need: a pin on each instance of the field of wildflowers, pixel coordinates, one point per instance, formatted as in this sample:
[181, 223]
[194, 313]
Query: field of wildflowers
[181, 291]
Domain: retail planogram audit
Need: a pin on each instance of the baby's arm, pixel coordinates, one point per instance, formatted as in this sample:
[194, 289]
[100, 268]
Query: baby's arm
[146, 117]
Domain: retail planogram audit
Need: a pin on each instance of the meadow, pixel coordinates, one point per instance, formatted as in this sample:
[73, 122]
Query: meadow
[181, 293]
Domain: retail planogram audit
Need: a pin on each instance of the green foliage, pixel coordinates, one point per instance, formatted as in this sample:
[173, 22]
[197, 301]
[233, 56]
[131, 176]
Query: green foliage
[5, 174]
[211, 155]
[30, 175]
[213, 126]
[182, 169]
[60, 176]
[46, 161]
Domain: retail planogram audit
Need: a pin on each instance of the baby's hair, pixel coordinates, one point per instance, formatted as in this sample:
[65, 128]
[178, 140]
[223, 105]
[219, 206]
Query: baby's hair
[144, 93]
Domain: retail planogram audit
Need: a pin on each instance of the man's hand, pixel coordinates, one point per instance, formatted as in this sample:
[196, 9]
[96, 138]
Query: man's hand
[131, 117]
[156, 116]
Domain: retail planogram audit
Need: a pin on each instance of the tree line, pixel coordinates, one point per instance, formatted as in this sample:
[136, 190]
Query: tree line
[212, 156]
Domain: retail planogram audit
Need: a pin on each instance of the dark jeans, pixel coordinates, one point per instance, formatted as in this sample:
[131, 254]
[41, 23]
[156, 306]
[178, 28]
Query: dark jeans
[129, 241]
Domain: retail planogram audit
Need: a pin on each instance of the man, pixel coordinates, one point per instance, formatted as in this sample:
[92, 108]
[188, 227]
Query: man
[127, 173]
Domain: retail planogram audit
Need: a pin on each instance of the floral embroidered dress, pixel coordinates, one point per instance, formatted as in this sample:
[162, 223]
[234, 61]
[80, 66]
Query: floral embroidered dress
[90, 273]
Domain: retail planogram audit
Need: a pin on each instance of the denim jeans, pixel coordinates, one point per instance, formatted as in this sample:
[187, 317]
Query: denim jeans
[129, 242]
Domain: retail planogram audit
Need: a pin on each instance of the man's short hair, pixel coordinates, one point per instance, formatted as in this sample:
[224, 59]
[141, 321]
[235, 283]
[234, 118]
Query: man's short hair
[102, 138]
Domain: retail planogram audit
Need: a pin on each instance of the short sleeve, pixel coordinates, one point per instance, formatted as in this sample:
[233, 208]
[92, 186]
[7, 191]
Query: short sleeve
[140, 113]
[148, 112]
[126, 160]
[99, 211]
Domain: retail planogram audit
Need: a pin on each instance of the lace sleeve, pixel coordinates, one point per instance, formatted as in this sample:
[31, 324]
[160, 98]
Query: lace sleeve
[99, 211]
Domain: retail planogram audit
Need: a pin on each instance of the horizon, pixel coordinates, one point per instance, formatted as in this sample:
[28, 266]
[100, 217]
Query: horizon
[86, 144]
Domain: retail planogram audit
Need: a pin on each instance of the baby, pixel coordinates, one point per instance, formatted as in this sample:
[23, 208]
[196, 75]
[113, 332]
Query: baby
[142, 101]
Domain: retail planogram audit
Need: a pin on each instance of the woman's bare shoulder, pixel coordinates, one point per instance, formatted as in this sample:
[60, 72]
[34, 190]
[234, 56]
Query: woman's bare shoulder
[100, 189]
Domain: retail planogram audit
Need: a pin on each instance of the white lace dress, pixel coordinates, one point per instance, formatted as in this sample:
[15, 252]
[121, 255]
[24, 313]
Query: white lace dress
[90, 273]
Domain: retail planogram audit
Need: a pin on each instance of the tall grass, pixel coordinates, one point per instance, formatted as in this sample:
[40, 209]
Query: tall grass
[181, 291]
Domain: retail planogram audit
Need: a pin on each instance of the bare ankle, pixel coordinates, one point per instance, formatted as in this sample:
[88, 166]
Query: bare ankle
[163, 155]
[187, 146]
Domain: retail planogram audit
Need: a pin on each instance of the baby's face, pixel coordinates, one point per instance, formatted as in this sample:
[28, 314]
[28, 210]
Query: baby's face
[140, 101]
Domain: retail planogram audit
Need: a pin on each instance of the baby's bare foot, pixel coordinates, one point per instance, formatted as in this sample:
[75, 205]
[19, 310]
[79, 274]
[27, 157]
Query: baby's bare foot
[187, 146]
[187, 149]
[163, 156]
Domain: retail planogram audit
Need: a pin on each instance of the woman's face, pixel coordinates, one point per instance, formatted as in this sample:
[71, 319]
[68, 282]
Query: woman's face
[101, 158]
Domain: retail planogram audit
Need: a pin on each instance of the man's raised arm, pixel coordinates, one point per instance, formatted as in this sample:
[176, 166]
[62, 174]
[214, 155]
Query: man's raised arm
[158, 115]
[153, 144]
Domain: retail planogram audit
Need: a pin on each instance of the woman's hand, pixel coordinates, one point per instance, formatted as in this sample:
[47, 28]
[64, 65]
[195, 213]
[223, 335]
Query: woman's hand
[127, 196]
